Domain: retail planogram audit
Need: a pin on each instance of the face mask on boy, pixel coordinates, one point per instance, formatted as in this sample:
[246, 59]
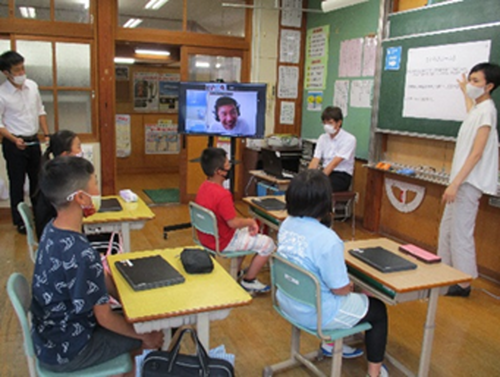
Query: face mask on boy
[474, 92]
[88, 210]
[18, 80]
[329, 129]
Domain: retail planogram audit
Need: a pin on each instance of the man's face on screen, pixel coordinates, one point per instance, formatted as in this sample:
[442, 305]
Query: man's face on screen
[228, 115]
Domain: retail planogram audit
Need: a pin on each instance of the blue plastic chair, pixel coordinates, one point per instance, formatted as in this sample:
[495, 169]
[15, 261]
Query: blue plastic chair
[29, 222]
[204, 220]
[303, 286]
[20, 296]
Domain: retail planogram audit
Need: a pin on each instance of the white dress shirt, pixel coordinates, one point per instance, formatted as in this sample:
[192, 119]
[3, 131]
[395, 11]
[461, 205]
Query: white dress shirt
[343, 145]
[20, 109]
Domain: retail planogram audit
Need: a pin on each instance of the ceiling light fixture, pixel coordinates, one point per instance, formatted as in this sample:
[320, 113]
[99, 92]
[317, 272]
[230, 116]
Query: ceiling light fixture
[132, 22]
[155, 4]
[124, 60]
[28, 12]
[152, 52]
[276, 7]
[331, 5]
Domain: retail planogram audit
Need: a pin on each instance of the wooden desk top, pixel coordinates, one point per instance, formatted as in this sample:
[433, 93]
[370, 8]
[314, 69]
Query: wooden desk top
[277, 215]
[270, 178]
[425, 276]
[199, 293]
[135, 211]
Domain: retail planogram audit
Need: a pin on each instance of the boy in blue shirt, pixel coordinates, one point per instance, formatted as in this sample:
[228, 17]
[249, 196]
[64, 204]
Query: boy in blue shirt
[73, 324]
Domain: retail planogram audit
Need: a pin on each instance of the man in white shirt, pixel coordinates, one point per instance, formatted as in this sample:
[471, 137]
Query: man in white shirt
[335, 150]
[21, 115]
[227, 115]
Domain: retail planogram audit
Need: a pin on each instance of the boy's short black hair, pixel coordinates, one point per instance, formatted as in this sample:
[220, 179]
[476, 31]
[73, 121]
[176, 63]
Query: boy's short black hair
[9, 59]
[309, 194]
[491, 73]
[224, 101]
[332, 112]
[64, 175]
[212, 159]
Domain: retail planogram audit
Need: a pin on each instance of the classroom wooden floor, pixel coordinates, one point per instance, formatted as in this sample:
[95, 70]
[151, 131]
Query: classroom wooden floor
[466, 341]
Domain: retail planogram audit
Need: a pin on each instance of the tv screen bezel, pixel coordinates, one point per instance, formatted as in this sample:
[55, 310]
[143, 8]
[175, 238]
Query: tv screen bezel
[260, 88]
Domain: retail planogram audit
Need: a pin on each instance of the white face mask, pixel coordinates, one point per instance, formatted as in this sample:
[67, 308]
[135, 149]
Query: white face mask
[474, 92]
[329, 129]
[19, 80]
[79, 154]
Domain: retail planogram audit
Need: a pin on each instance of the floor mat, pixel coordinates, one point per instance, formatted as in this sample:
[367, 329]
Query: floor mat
[170, 195]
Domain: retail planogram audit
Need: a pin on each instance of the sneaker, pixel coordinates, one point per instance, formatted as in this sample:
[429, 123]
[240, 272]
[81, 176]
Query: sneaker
[458, 291]
[254, 286]
[347, 351]
[21, 229]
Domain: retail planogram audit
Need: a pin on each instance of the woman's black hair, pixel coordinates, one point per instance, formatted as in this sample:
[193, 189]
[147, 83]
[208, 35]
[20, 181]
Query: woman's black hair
[309, 194]
[60, 142]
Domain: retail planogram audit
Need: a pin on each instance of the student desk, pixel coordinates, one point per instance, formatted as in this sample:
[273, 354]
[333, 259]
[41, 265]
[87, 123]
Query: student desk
[272, 219]
[132, 216]
[200, 299]
[425, 282]
[261, 176]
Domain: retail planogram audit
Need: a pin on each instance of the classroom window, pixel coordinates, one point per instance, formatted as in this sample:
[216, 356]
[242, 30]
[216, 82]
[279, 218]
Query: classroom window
[213, 18]
[4, 8]
[213, 68]
[33, 9]
[76, 11]
[168, 15]
[63, 71]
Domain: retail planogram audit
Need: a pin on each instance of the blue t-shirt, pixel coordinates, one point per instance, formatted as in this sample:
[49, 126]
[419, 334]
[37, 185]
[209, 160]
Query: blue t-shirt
[68, 282]
[318, 249]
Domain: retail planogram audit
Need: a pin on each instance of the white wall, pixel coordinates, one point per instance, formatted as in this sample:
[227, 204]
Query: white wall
[265, 55]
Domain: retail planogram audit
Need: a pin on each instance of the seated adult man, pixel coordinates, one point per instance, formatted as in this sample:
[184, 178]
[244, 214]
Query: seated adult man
[235, 233]
[335, 149]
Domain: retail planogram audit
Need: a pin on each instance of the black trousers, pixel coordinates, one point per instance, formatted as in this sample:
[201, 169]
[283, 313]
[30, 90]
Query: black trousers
[340, 181]
[19, 163]
[376, 338]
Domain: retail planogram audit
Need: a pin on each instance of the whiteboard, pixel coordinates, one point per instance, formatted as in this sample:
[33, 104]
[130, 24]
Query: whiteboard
[431, 87]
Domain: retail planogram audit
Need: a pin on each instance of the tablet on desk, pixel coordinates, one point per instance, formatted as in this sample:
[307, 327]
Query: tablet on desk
[382, 259]
[270, 204]
[110, 205]
[148, 273]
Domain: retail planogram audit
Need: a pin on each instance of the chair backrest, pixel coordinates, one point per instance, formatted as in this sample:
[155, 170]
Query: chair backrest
[29, 222]
[204, 221]
[295, 282]
[20, 296]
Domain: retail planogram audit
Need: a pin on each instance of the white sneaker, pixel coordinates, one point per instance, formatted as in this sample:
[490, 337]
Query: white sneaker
[255, 286]
[347, 351]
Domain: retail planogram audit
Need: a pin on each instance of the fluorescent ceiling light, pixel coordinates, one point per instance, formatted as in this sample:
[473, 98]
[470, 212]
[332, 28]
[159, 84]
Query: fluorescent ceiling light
[152, 52]
[331, 5]
[155, 4]
[202, 64]
[27, 12]
[124, 60]
[132, 22]
[218, 65]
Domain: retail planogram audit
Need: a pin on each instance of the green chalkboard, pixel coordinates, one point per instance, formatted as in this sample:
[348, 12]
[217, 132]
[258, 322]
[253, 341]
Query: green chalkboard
[464, 17]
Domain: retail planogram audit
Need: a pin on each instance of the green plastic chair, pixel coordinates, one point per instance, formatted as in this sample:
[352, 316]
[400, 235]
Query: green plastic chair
[20, 296]
[204, 220]
[303, 286]
[29, 222]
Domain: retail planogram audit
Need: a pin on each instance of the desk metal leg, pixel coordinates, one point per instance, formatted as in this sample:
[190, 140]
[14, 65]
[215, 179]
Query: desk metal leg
[425, 355]
[126, 237]
[203, 329]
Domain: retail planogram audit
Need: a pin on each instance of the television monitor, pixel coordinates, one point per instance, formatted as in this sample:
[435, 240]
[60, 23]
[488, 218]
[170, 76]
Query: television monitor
[222, 109]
